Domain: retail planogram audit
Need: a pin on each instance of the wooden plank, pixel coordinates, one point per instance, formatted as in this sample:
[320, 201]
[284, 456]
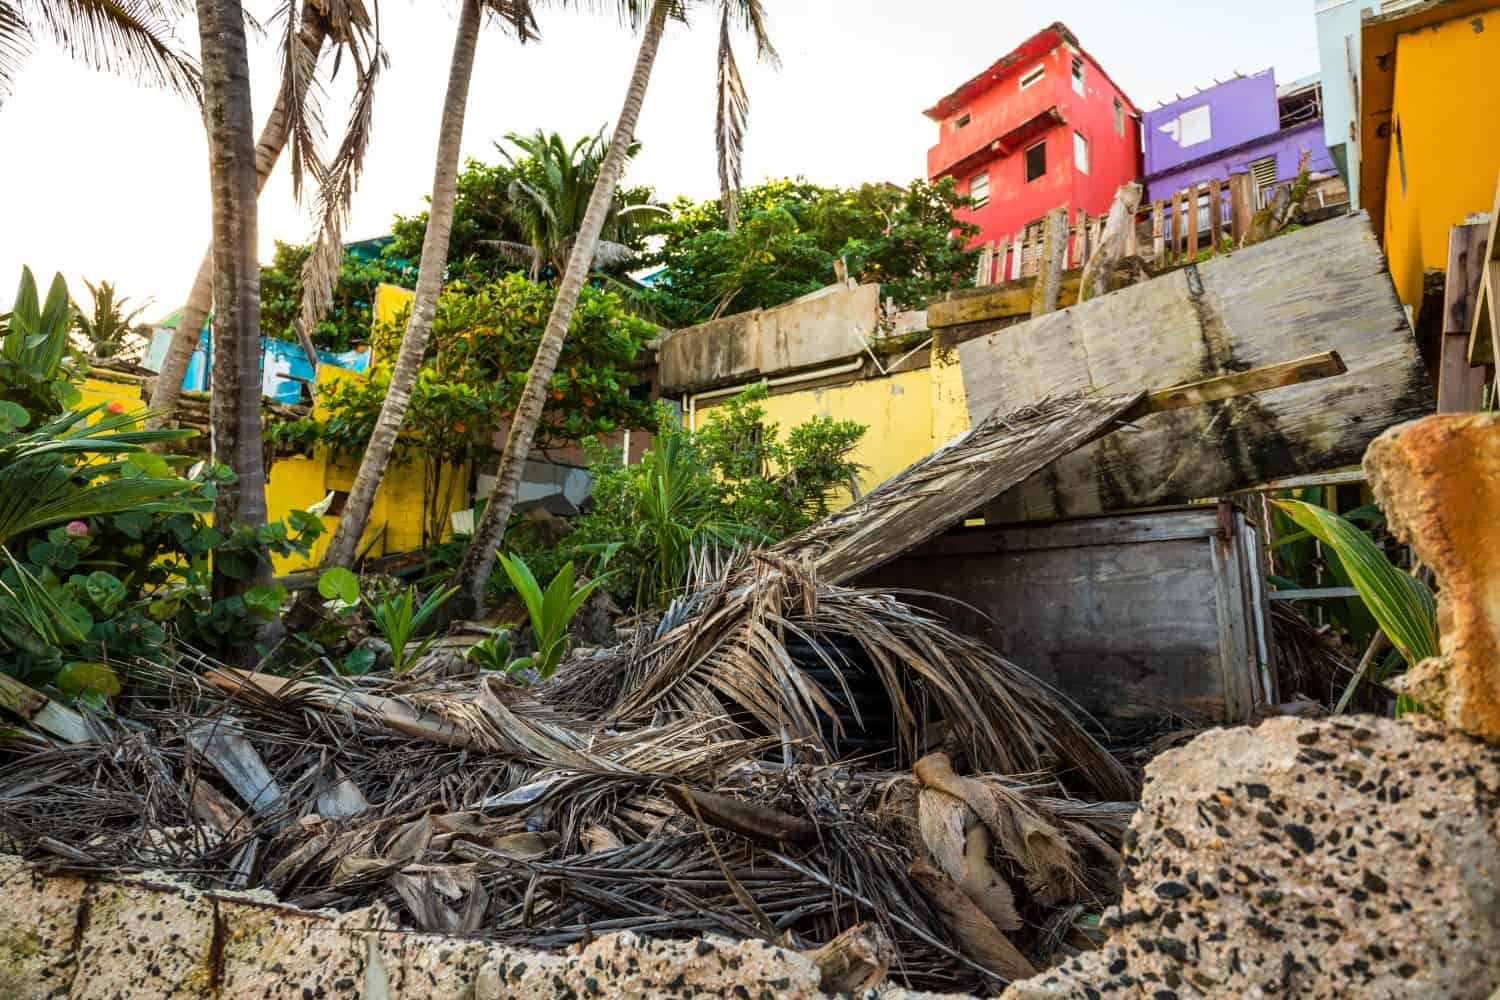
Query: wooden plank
[1241, 206]
[1343, 477]
[1484, 326]
[1215, 214]
[998, 302]
[1482, 348]
[42, 712]
[1315, 366]
[1466, 255]
[1158, 232]
[1044, 294]
[1235, 669]
[1319, 289]
[1190, 220]
[1130, 529]
[1313, 593]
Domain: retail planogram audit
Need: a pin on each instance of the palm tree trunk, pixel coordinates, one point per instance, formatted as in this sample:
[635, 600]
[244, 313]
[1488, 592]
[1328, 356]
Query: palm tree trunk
[273, 136]
[479, 559]
[344, 545]
[234, 409]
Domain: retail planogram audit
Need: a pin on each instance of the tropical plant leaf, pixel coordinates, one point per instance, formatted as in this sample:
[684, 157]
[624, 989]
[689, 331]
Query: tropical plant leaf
[1404, 608]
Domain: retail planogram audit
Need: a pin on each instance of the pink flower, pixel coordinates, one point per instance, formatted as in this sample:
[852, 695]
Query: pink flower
[76, 529]
[116, 406]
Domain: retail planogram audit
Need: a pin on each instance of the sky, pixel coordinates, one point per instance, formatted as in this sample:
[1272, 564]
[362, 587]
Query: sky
[101, 179]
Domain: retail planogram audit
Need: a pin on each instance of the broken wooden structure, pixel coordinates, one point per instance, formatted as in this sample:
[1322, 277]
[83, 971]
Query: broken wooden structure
[1321, 289]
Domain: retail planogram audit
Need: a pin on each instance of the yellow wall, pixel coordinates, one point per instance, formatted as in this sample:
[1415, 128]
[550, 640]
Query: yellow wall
[1445, 94]
[907, 416]
[296, 483]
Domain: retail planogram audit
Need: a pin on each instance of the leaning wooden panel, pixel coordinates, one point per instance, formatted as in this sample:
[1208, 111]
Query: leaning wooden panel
[1324, 288]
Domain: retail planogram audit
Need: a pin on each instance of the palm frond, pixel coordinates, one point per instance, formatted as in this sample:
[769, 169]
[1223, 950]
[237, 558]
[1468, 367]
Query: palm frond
[336, 186]
[15, 46]
[300, 97]
[132, 38]
[733, 111]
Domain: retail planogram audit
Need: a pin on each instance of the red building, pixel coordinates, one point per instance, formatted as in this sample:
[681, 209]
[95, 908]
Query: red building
[1043, 127]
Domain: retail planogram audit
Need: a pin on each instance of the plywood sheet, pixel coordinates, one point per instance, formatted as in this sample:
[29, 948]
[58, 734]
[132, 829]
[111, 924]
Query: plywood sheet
[1323, 288]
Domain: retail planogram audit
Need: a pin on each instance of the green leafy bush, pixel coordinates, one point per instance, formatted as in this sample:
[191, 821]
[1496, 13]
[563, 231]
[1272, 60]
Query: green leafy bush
[736, 482]
[481, 349]
[791, 232]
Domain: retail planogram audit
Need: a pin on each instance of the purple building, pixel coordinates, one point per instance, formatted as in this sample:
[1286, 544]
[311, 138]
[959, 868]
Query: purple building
[1245, 125]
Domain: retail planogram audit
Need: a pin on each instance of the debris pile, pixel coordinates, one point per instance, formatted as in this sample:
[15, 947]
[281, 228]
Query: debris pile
[686, 784]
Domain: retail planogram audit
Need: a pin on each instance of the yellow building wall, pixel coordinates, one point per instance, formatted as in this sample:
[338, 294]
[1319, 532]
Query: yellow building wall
[907, 416]
[297, 482]
[1444, 106]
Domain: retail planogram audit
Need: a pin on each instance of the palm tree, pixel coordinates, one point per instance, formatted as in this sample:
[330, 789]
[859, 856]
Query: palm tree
[550, 194]
[518, 14]
[107, 324]
[234, 407]
[130, 37]
[294, 121]
[479, 558]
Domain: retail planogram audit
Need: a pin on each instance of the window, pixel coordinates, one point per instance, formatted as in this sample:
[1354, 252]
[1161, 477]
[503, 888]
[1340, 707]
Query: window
[1080, 153]
[1078, 87]
[961, 121]
[1195, 126]
[1119, 117]
[979, 189]
[1033, 76]
[1263, 176]
[1036, 161]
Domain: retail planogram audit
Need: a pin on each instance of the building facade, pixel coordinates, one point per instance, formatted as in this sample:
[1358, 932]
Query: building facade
[1245, 125]
[1041, 128]
[1429, 129]
[1338, 61]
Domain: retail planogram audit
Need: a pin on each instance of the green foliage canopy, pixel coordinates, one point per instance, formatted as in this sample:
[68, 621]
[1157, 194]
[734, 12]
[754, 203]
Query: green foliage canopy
[790, 233]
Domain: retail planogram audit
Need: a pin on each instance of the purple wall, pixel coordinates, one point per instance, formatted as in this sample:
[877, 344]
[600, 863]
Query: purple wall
[1239, 110]
[1287, 144]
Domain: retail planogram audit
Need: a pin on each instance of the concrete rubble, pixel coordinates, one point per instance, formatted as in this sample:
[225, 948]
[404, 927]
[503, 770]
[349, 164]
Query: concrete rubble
[1438, 480]
[147, 936]
[1353, 857]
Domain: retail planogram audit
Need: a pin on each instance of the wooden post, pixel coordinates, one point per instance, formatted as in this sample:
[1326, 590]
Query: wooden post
[1158, 232]
[1460, 385]
[1190, 219]
[1048, 287]
[1111, 244]
[1215, 213]
[1241, 206]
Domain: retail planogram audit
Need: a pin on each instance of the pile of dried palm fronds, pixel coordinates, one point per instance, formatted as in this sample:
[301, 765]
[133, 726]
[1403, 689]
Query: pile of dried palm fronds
[700, 794]
[776, 757]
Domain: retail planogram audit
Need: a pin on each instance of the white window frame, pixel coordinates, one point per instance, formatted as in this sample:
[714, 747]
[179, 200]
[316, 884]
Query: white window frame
[1080, 153]
[1080, 86]
[1034, 75]
[980, 201]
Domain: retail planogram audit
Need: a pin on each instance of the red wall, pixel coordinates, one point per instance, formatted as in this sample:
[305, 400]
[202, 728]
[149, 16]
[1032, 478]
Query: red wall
[1113, 159]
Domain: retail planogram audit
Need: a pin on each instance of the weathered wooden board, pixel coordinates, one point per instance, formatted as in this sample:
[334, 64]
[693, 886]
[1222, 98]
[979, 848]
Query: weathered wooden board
[1324, 288]
[1135, 618]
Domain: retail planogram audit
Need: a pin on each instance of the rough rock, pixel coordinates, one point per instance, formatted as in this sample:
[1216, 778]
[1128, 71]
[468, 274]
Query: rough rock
[630, 965]
[1438, 480]
[1356, 857]
[149, 936]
